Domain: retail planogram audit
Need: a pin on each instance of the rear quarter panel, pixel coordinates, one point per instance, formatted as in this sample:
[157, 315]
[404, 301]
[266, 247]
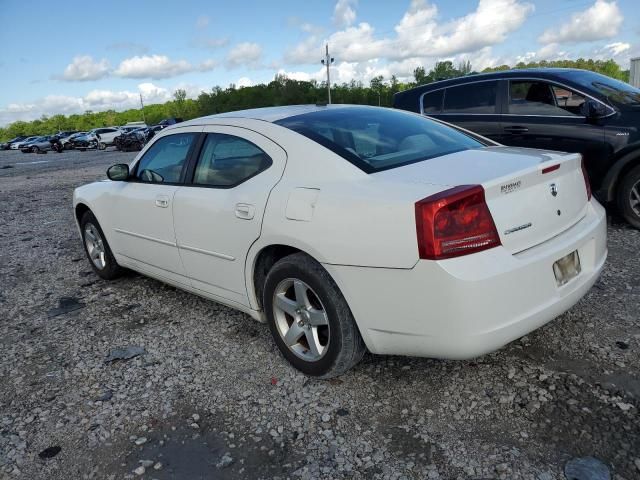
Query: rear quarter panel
[357, 219]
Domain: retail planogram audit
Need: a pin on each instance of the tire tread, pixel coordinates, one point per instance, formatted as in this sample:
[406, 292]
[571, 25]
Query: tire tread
[353, 346]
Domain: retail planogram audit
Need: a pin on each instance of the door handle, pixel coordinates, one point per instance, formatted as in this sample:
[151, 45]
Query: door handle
[245, 211]
[516, 129]
[162, 201]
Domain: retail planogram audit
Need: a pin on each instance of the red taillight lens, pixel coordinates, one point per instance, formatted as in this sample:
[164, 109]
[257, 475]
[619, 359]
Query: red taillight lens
[455, 222]
[586, 181]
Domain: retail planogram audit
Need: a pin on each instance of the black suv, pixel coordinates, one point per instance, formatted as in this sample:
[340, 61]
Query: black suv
[549, 108]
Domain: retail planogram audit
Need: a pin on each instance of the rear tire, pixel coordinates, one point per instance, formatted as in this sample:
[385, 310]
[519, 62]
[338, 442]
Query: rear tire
[97, 249]
[35, 150]
[323, 338]
[629, 197]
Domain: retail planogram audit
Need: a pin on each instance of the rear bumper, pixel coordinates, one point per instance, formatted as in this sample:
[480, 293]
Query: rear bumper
[468, 306]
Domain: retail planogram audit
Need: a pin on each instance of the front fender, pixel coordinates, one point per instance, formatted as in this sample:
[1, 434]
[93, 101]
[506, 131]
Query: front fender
[91, 196]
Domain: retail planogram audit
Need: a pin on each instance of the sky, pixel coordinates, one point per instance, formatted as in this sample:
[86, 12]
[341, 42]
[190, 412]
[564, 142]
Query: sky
[83, 56]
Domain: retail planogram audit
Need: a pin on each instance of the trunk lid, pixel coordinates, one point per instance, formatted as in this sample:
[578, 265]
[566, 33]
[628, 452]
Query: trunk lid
[527, 205]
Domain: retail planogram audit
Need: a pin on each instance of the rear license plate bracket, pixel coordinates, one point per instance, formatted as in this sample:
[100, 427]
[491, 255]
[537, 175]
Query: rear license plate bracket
[567, 268]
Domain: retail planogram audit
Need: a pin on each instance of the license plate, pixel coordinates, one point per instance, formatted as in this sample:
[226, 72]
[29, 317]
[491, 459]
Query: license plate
[566, 268]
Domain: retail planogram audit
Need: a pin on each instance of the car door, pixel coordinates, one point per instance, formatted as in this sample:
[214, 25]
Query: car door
[108, 134]
[547, 115]
[143, 235]
[473, 106]
[219, 216]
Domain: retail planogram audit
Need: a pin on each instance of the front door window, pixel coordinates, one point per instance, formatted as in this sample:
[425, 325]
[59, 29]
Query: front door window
[165, 159]
[530, 97]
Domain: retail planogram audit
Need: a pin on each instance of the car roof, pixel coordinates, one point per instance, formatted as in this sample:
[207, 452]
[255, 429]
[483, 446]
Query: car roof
[267, 114]
[548, 73]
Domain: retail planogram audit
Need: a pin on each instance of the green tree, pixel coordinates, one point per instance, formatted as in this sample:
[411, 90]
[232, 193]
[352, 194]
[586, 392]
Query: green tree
[420, 76]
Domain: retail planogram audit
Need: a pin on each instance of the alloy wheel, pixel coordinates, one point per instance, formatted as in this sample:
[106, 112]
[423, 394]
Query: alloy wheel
[95, 246]
[634, 198]
[301, 319]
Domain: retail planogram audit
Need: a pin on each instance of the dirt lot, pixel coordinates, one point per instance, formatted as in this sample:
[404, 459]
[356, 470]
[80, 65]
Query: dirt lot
[212, 398]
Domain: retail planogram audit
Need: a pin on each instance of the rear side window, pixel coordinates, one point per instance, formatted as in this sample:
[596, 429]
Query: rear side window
[164, 160]
[227, 161]
[479, 97]
[541, 98]
[376, 139]
[432, 102]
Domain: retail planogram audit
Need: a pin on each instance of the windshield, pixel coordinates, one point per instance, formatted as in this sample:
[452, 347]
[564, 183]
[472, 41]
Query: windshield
[617, 92]
[376, 139]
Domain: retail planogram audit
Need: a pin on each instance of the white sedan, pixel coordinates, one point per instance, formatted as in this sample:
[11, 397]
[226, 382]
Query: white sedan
[353, 228]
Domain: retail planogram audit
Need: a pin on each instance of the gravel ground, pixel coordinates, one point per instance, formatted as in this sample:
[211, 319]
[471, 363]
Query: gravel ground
[210, 397]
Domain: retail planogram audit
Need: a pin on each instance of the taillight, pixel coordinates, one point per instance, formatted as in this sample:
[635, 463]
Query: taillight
[455, 222]
[586, 181]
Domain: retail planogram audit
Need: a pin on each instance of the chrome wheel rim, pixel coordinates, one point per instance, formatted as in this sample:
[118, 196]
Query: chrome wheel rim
[95, 246]
[634, 198]
[301, 319]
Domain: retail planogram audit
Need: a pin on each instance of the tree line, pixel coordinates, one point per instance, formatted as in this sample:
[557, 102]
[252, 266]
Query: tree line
[281, 91]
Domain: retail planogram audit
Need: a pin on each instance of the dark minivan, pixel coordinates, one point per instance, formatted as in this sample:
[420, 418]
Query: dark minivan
[549, 108]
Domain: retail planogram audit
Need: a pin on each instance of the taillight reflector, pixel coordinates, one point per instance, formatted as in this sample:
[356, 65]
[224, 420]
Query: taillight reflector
[455, 222]
[587, 184]
[550, 169]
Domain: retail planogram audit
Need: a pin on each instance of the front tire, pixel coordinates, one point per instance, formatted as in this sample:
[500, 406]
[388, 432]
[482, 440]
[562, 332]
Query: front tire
[629, 197]
[97, 249]
[309, 319]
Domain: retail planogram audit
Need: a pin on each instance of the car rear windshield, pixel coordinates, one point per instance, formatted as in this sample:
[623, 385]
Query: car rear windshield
[376, 139]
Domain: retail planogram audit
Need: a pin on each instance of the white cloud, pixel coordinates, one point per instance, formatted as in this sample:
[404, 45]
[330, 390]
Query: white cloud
[158, 66]
[418, 34]
[343, 72]
[602, 20]
[620, 52]
[84, 68]
[244, 82]
[95, 100]
[549, 52]
[343, 14]
[192, 90]
[245, 54]
[202, 22]
[207, 65]
[617, 48]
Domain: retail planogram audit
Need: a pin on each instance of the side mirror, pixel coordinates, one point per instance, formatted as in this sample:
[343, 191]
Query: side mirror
[118, 172]
[592, 109]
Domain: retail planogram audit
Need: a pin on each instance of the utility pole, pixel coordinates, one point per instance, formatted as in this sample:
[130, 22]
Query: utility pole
[327, 61]
[142, 107]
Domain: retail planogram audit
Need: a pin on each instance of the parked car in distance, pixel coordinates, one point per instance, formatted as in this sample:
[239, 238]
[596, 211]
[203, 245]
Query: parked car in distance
[131, 125]
[37, 145]
[569, 110]
[7, 145]
[131, 140]
[353, 227]
[169, 121]
[67, 142]
[17, 145]
[65, 133]
[106, 134]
